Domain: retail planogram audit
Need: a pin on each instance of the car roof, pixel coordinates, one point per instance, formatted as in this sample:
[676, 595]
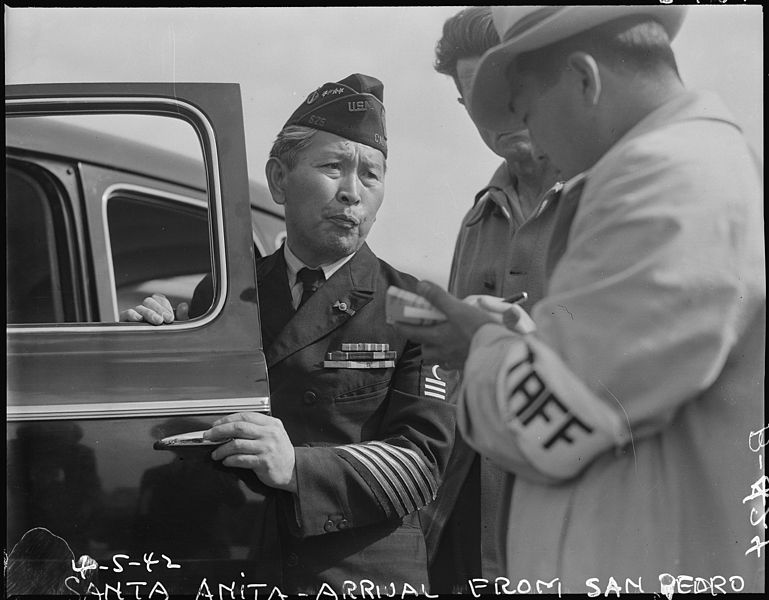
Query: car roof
[56, 138]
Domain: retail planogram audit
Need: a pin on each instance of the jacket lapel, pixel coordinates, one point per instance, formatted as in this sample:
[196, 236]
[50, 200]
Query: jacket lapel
[336, 302]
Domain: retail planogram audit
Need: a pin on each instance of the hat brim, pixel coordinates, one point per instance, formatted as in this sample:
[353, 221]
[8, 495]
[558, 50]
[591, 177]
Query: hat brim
[489, 96]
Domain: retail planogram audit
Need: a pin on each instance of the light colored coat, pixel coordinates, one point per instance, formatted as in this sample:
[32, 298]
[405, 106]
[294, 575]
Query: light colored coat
[651, 335]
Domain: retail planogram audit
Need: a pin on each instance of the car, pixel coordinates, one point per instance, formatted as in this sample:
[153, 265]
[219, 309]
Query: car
[97, 219]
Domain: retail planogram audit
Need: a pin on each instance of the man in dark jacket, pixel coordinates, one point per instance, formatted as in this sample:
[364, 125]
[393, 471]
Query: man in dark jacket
[499, 251]
[356, 443]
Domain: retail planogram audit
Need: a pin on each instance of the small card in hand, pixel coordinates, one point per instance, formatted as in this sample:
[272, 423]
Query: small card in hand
[402, 306]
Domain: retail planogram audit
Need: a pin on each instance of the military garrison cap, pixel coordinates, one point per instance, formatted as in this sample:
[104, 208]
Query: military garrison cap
[351, 108]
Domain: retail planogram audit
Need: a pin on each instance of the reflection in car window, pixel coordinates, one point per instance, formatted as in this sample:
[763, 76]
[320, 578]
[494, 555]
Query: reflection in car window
[158, 246]
[38, 283]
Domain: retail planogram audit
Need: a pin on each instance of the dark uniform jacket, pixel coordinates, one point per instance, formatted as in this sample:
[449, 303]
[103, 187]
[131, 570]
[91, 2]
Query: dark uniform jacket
[370, 444]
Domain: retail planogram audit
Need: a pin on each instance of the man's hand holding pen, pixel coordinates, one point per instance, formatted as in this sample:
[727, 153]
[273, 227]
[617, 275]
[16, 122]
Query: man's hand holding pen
[505, 310]
[447, 343]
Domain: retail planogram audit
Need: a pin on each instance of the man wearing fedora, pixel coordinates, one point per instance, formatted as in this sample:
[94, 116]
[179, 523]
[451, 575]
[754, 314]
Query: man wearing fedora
[632, 414]
[353, 448]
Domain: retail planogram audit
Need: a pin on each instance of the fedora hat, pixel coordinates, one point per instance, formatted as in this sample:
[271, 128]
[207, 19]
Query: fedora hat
[525, 28]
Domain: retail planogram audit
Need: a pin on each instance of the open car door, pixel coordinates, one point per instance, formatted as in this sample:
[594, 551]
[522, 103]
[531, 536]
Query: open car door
[115, 192]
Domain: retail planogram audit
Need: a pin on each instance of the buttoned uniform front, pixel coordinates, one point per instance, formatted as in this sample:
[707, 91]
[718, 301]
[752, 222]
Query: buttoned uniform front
[648, 361]
[370, 447]
[500, 252]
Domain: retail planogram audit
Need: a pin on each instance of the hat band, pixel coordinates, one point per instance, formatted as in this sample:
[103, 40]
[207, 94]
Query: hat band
[530, 20]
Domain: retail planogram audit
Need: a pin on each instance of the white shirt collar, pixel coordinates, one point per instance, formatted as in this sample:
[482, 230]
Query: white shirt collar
[294, 264]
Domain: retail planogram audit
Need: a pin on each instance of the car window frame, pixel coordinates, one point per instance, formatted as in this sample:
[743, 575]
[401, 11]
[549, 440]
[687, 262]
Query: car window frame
[173, 107]
[107, 298]
[61, 175]
[153, 195]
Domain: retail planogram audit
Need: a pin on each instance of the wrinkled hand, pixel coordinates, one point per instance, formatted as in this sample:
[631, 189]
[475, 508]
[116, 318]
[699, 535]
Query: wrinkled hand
[447, 343]
[260, 443]
[156, 309]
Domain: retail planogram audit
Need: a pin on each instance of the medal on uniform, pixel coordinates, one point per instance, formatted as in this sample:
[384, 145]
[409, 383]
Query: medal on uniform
[361, 355]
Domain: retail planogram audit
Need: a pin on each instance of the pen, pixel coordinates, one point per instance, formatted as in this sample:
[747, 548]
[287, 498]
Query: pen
[516, 299]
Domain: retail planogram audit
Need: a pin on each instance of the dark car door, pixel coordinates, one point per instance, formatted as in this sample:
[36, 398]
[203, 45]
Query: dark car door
[91, 224]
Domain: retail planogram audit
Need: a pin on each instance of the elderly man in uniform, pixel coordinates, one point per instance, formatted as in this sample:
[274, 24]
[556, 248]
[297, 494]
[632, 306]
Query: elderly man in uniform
[630, 409]
[351, 452]
[499, 251]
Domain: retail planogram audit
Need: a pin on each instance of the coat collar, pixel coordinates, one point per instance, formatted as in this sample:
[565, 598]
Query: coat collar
[496, 196]
[686, 106]
[337, 301]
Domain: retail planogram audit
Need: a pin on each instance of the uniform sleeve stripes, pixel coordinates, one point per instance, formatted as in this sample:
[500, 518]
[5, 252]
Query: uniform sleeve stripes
[382, 477]
[417, 472]
[401, 473]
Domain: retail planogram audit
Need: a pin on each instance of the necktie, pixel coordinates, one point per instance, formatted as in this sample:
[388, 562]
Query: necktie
[311, 280]
[564, 215]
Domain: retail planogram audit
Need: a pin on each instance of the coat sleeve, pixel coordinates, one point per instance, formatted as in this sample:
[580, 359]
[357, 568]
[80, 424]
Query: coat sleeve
[394, 472]
[642, 313]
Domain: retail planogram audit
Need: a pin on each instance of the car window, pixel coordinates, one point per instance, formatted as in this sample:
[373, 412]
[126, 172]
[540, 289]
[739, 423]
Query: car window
[127, 193]
[105, 210]
[157, 246]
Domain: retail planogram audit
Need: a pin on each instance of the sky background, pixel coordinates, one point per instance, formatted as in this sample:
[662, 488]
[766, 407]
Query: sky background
[278, 55]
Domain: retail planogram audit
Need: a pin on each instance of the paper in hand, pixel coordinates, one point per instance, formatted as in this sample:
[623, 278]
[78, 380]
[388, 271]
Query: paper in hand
[402, 306]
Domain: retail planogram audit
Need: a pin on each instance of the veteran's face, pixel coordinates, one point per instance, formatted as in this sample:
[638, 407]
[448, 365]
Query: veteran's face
[513, 144]
[331, 197]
